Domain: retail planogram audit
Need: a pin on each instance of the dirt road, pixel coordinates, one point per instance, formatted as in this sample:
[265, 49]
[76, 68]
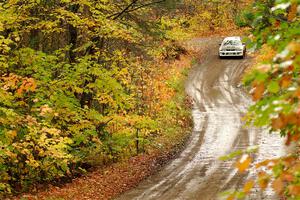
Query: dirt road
[197, 174]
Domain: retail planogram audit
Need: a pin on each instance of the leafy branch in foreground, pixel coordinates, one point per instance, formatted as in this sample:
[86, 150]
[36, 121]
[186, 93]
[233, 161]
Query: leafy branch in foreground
[275, 87]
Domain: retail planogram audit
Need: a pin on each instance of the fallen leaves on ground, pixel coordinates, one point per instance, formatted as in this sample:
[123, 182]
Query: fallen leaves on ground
[105, 183]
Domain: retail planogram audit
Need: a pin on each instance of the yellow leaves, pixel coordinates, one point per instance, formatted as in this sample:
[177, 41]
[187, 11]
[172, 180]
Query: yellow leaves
[32, 163]
[133, 122]
[5, 46]
[48, 27]
[51, 131]
[11, 134]
[105, 98]
[206, 14]
[68, 16]
[11, 154]
[294, 47]
[30, 120]
[45, 109]
[267, 53]
[10, 82]
[25, 151]
[124, 77]
[263, 67]
[244, 163]
[78, 90]
[297, 93]
[248, 186]
[1, 26]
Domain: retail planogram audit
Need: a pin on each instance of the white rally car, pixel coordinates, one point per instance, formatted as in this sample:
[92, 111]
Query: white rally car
[232, 46]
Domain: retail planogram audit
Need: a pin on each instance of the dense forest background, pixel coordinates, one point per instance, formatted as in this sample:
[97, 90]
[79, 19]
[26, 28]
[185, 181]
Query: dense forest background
[82, 82]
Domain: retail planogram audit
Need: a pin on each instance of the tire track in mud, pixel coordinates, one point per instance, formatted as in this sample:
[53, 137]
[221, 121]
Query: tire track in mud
[197, 174]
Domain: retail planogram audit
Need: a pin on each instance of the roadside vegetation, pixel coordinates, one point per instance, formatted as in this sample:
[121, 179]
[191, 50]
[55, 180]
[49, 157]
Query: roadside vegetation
[87, 83]
[274, 86]
[82, 86]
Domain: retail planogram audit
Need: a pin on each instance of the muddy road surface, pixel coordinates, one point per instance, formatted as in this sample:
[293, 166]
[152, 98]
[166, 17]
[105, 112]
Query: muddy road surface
[219, 105]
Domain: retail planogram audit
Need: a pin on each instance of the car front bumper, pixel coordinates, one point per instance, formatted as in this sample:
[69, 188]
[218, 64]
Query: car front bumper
[231, 53]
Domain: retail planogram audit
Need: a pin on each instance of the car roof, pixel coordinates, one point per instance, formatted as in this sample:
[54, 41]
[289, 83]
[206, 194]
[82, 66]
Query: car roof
[233, 38]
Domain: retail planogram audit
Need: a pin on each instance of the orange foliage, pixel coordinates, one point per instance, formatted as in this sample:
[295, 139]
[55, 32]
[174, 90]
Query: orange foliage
[19, 84]
[278, 186]
[293, 12]
[244, 163]
[248, 186]
[286, 81]
[258, 91]
[157, 92]
[294, 190]
[263, 180]
[26, 86]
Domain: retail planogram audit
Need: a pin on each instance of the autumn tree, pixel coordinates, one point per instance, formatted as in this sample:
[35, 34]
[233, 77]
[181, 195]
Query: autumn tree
[275, 89]
[70, 84]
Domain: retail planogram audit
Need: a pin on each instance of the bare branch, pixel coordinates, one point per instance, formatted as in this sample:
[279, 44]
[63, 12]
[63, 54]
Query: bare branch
[145, 5]
[128, 10]
[116, 15]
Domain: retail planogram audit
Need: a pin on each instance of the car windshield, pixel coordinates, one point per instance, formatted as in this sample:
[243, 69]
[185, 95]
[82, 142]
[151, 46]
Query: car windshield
[232, 42]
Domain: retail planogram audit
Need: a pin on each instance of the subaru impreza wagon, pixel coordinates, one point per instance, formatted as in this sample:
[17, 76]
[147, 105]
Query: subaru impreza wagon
[232, 47]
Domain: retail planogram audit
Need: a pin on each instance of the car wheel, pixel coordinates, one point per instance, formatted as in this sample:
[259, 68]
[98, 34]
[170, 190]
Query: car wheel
[243, 56]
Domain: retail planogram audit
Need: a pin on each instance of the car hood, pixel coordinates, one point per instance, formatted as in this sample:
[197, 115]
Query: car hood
[231, 47]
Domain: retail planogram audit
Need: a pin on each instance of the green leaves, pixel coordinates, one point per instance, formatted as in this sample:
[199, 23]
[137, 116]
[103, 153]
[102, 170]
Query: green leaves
[276, 91]
[255, 76]
[273, 87]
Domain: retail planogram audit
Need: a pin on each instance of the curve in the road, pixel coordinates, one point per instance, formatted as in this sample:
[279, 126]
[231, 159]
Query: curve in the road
[197, 174]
